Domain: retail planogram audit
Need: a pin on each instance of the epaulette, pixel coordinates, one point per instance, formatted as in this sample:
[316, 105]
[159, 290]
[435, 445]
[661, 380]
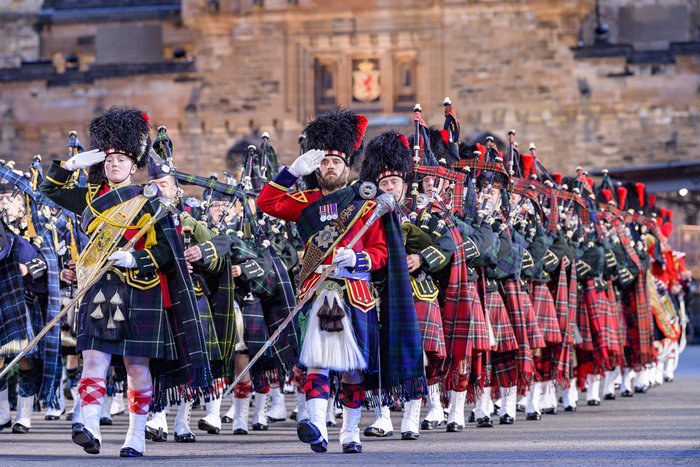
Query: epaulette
[300, 196]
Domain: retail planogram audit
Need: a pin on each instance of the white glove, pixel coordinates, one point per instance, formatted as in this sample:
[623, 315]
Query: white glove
[307, 162]
[123, 259]
[345, 258]
[85, 159]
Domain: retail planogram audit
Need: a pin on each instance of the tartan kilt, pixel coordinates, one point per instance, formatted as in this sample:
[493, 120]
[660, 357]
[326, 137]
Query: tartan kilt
[559, 290]
[430, 322]
[500, 322]
[210, 336]
[621, 320]
[546, 313]
[255, 334]
[504, 369]
[610, 328]
[584, 324]
[523, 357]
[15, 322]
[151, 334]
[254, 327]
[543, 365]
[638, 352]
[534, 334]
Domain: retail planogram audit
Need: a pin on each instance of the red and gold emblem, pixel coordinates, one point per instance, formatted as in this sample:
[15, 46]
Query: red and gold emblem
[365, 81]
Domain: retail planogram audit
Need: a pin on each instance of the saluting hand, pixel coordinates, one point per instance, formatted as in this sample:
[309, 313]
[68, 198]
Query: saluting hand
[307, 162]
[85, 159]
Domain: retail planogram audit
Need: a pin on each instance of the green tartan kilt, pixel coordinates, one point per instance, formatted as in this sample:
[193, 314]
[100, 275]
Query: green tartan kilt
[209, 328]
[149, 332]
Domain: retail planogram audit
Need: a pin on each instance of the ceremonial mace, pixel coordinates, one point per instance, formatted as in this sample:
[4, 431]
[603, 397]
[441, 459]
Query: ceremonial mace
[74, 301]
[385, 203]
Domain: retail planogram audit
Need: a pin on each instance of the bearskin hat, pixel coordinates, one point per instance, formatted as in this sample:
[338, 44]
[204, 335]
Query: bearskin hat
[340, 133]
[120, 130]
[387, 154]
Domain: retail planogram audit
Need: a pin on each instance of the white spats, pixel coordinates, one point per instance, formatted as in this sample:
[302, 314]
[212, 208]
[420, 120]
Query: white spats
[136, 435]
[241, 407]
[411, 416]
[350, 431]
[456, 409]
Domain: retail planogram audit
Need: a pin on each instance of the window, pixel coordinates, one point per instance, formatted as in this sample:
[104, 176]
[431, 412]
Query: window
[324, 83]
[405, 84]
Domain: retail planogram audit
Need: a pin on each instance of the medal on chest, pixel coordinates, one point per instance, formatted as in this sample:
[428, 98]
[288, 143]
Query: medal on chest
[328, 212]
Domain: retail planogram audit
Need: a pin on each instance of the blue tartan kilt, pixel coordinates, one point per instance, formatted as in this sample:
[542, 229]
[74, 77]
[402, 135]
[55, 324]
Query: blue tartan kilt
[150, 333]
[255, 332]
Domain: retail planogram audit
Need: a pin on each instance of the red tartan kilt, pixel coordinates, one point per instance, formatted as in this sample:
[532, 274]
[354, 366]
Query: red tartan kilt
[504, 369]
[478, 331]
[543, 366]
[622, 322]
[430, 322]
[546, 313]
[584, 325]
[500, 322]
[517, 299]
[610, 324]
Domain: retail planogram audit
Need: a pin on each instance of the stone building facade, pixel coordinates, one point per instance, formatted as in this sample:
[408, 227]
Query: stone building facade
[219, 71]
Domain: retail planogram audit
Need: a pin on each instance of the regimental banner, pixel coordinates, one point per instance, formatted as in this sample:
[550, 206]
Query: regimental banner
[365, 80]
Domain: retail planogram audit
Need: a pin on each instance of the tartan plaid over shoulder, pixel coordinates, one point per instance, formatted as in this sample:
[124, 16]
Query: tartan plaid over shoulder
[14, 321]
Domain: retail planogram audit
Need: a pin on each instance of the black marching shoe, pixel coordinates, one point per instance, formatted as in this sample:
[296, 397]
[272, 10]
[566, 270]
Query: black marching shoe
[520, 408]
[185, 438]
[226, 419]
[641, 389]
[204, 426]
[259, 427]
[507, 420]
[7, 424]
[52, 418]
[484, 422]
[668, 379]
[19, 428]
[550, 411]
[105, 421]
[292, 416]
[626, 393]
[69, 416]
[593, 402]
[609, 397]
[409, 435]
[352, 448]
[454, 427]
[240, 431]
[374, 432]
[534, 416]
[83, 438]
[570, 408]
[471, 418]
[430, 424]
[309, 434]
[129, 452]
[158, 435]
[496, 409]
